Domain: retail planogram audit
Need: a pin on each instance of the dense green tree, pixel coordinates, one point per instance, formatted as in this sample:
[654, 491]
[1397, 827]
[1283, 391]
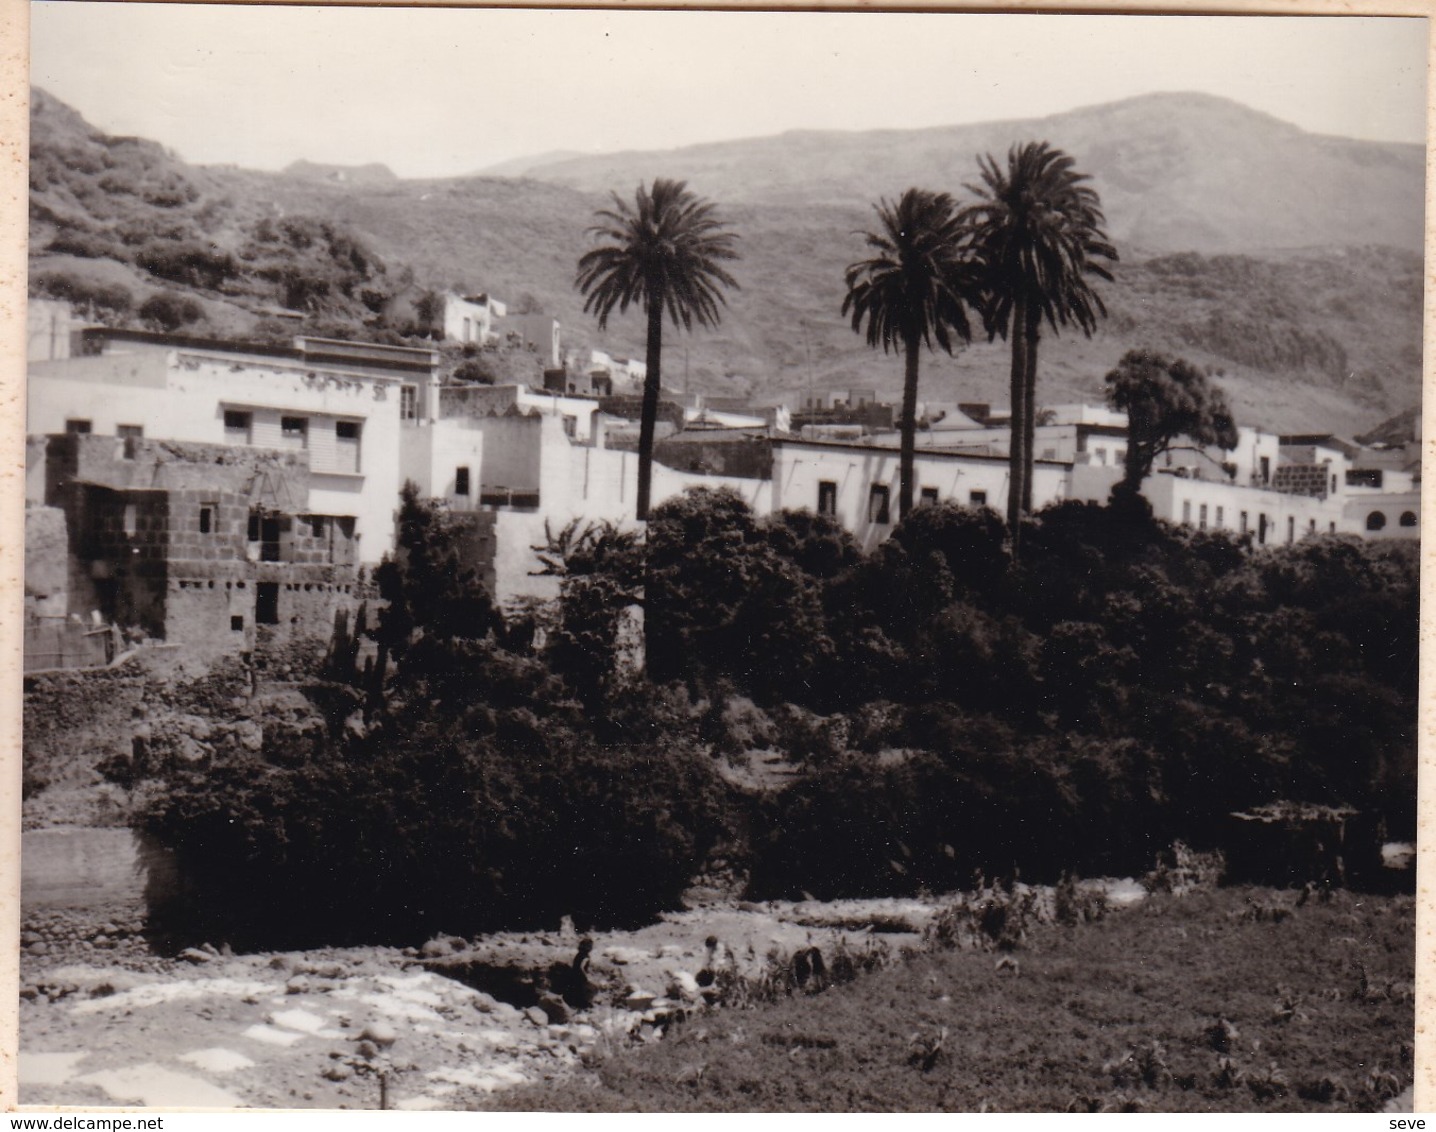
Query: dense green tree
[665, 254]
[600, 568]
[1037, 236]
[435, 605]
[914, 291]
[727, 602]
[1164, 398]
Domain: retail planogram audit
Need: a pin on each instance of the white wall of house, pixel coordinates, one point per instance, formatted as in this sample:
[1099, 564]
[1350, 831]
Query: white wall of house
[351, 419]
[1399, 511]
[579, 411]
[48, 325]
[466, 321]
[542, 332]
[801, 469]
[434, 455]
[580, 482]
[1218, 505]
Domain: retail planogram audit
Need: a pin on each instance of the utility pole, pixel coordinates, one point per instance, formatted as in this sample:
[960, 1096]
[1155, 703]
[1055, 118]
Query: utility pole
[807, 361]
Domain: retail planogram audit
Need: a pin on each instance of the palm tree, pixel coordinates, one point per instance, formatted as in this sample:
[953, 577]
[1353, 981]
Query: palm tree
[662, 254]
[1036, 231]
[913, 292]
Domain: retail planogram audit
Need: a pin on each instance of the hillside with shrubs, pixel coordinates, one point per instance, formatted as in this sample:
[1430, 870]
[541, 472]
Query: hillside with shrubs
[1322, 336]
[937, 713]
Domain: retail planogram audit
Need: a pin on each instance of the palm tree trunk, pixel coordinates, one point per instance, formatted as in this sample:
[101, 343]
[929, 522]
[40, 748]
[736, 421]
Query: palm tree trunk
[649, 415]
[911, 345]
[1029, 411]
[1016, 434]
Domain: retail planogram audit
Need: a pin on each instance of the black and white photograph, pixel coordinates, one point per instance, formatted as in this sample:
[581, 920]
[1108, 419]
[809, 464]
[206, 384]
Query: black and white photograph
[590, 561]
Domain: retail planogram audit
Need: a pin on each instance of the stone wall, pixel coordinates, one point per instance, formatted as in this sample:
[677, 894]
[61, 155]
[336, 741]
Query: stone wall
[279, 479]
[74, 721]
[749, 457]
[120, 542]
[47, 583]
[214, 610]
[1303, 479]
[476, 400]
[478, 545]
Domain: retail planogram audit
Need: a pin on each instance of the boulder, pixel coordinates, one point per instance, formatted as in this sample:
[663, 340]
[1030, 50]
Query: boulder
[380, 1033]
[554, 1008]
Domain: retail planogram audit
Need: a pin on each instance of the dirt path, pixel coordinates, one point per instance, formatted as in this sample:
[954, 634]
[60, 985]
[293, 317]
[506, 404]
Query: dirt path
[102, 1022]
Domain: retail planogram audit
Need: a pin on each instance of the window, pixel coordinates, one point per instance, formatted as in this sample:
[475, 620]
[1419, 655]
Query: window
[1291, 528]
[1312, 526]
[827, 497]
[468, 331]
[131, 434]
[316, 526]
[1202, 517]
[1333, 484]
[132, 519]
[1266, 469]
[293, 432]
[237, 426]
[266, 604]
[1101, 454]
[346, 446]
[78, 427]
[269, 539]
[1261, 528]
[927, 495]
[1376, 521]
[1187, 512]
[878, 504]
[207, 514]
[977, 498]
[1364, 477]
[1408, 518]
[408, 402]
[236, 624]
[461, 480]
[253, 532]
[1220, 518]
[1244, 522]
[1332, 527]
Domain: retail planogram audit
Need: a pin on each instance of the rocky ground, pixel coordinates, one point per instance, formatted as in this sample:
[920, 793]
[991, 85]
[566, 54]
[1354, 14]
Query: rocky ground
[103, 1021]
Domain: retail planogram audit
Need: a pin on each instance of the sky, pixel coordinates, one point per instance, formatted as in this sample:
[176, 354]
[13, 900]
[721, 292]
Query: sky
[440, 92]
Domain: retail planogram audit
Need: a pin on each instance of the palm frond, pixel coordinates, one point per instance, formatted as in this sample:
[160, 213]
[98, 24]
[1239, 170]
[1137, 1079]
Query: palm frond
[1037, 234]
[918, 285]
[666, 248]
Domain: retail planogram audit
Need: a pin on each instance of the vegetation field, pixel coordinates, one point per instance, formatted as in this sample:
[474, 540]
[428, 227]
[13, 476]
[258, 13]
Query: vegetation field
[1233, 999]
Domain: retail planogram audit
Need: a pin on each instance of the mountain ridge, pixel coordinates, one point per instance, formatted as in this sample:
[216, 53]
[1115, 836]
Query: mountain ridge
[1162, 163]
[1324, 335]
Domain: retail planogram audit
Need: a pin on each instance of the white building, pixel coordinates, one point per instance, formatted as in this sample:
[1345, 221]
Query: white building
[338, 401]
[857, 483]
[470, 318]
[1277, 489]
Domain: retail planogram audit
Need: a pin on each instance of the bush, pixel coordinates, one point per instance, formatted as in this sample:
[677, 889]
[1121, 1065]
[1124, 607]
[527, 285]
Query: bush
[508, 816]
[167, 311]
[475, 371]
[88, 245]
[188, 262]
[100, 301]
